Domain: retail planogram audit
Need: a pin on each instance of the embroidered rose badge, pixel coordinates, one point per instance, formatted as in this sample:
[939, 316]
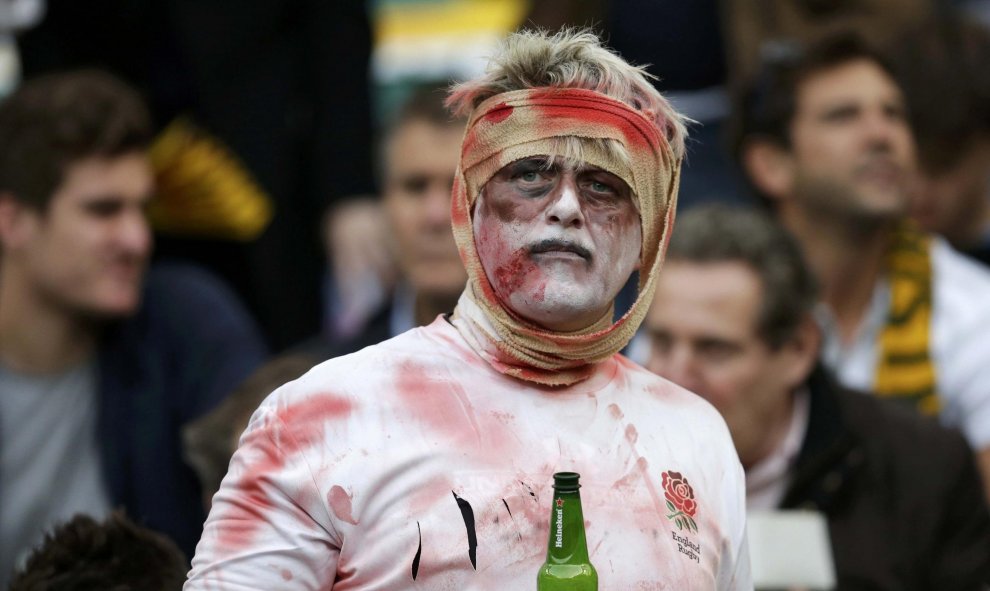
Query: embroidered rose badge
[680, 500]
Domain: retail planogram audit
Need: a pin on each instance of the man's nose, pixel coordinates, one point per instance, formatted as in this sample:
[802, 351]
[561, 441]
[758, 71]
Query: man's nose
[437, 206]
[565, 208]
[134, 233]
[879, 130]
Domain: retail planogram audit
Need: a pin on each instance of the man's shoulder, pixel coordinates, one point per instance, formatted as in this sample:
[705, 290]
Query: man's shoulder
[960, 285]
[415, 349]
[901, 433]
[186, 281]
[672, 397]
[184, 305]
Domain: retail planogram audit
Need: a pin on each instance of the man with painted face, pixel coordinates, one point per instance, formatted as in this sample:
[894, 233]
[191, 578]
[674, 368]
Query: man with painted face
[427, 461]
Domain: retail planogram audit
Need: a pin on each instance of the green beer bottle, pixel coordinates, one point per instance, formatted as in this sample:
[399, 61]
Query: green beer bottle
[567, 567]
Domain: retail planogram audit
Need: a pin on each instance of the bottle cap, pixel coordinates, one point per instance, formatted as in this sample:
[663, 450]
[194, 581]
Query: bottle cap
[566, 481]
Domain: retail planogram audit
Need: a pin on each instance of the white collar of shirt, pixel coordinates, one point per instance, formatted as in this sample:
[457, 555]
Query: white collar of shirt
[854, 363]
[767, 480]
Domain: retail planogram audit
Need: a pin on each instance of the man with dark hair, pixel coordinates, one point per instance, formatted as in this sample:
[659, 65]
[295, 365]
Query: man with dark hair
[823, 136]
[101, 362]
[112, 555]
[732, 321]
[951, 59]
[418, 160]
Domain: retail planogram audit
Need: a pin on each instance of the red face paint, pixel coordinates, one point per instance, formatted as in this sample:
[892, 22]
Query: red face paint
[557, 243]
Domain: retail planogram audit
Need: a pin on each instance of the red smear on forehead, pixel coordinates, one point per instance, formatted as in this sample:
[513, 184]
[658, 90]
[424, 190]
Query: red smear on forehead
[297, 428]
[558, 109]
[498, 113]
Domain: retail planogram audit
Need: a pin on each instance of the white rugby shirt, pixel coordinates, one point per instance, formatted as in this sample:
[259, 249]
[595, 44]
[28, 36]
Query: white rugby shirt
[415, 465]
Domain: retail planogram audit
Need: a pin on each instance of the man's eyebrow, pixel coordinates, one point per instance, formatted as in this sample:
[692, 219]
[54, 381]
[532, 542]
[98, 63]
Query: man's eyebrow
[106, 198]
[533, 161]
[655, 331]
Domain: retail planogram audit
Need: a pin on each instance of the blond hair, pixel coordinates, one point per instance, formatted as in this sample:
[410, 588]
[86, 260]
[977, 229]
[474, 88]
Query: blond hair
[571, 58]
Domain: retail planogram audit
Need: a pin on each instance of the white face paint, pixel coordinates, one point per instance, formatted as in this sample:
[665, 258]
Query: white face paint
[557, 242]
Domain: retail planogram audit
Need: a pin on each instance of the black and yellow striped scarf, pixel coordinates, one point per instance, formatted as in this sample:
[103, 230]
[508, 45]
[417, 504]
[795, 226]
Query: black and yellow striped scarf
[905, 369]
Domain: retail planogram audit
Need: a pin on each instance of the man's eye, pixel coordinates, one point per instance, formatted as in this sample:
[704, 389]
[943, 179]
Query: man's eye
[717, 351]
[661, 343]
[600, 187]
[529, 176]
[103, 208]
[415, 185]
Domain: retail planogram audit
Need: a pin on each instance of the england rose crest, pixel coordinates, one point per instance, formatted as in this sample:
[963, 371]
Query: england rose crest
[680, 500]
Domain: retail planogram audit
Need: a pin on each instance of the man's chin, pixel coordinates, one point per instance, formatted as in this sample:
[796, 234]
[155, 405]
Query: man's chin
[111, 308]
[559, 310]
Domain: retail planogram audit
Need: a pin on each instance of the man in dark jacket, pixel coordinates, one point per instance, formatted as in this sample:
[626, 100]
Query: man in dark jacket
[101, 361]
[732, 321]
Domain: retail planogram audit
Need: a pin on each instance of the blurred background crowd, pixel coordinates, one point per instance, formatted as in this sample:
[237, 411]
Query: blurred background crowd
[201, 200]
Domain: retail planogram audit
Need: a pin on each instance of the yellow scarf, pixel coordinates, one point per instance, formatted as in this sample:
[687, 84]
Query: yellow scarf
[203, 188]
[523, 123]
[905, 369]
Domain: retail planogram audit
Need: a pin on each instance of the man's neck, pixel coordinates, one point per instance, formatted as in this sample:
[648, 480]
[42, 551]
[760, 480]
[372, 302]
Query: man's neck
[975, 228]
[847, 257]
[37, 337]
[773, 431]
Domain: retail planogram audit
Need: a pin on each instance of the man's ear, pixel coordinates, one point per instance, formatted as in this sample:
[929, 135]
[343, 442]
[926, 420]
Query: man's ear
[770, 167]
[803, 349]
[13, 221]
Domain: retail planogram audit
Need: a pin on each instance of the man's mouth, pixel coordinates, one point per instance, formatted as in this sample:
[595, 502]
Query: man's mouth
[560, 246]
[881, 169]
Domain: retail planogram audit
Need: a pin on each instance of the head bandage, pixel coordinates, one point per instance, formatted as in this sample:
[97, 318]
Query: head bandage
[523, 123]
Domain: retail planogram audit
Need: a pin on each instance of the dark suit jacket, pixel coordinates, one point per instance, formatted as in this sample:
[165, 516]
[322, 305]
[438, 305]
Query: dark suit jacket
[902, 495]
[188, 346]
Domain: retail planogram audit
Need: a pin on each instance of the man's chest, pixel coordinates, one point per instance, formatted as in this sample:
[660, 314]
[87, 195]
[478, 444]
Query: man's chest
[461, 517]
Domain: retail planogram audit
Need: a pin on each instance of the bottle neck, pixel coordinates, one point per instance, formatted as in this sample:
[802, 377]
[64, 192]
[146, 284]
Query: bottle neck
[567, 543]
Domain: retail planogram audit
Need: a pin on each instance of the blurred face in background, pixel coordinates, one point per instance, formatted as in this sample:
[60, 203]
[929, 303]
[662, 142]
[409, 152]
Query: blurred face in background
[421, 158]
[852, 152]
[956, 202]
[703, 330]
[87, 252]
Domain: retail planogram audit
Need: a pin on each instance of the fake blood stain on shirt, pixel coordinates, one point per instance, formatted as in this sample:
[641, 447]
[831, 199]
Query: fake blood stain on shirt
[341, 503]
[441, 403]
[285, 434]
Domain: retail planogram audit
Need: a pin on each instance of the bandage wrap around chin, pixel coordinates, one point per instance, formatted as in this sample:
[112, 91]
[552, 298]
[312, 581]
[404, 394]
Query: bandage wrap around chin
[520, 124]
